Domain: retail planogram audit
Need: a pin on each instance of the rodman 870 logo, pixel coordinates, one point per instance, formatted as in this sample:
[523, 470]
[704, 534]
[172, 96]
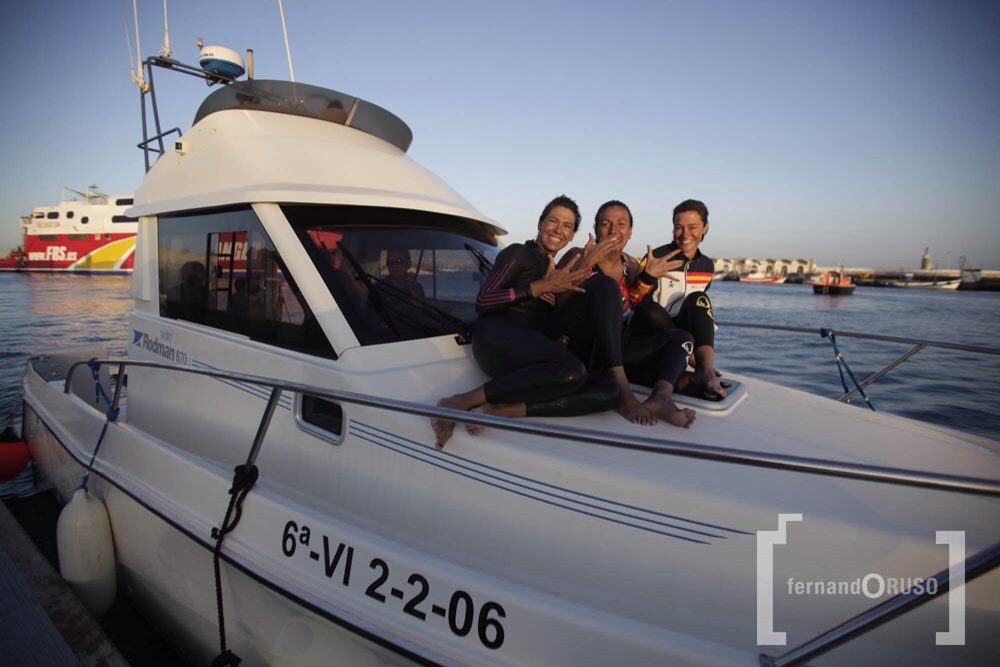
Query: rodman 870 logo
[160, 346]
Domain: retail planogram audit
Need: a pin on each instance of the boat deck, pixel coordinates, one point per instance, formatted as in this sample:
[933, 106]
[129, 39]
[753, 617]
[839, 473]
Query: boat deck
[42, 621]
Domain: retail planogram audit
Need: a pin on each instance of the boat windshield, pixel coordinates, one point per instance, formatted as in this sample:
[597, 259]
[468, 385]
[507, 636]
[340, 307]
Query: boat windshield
[397, 274]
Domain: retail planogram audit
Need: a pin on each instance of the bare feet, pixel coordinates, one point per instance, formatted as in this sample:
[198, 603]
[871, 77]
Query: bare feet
[631, 409]
[442, 427]
[661, 404]
[476, 429]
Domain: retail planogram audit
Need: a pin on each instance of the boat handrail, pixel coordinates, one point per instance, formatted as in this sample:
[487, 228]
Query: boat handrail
[917, 343]
[667, 446]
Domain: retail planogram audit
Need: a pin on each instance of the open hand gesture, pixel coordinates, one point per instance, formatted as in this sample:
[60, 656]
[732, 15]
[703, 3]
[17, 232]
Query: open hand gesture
[658, 267]
[566, 279]
[595, 253]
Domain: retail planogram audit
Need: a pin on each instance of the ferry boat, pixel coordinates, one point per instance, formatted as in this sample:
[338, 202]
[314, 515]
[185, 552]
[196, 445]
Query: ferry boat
[84, 233]
[275, 495]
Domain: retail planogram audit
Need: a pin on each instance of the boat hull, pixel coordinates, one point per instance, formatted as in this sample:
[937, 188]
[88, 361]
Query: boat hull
[833, 290]
[504, 551]
[69, 253]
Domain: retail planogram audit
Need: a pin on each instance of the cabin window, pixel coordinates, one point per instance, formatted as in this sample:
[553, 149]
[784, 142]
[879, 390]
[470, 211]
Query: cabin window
[69, 214]
[123, 202]
[221, 269]
[48, 237]
[52, 215]
[84, 220]
[397, 274]
[39, 215]
[123, 218]
[321, 417]
[79, 237]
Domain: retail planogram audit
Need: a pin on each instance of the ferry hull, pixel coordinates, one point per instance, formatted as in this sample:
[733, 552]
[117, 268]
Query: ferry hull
[97, 253]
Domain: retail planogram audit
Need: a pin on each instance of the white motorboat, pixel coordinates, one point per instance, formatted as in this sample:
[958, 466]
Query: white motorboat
[263, 340]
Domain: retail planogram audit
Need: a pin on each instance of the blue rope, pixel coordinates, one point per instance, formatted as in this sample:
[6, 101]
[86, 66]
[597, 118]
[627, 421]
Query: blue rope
[112, 415]
[842, 366]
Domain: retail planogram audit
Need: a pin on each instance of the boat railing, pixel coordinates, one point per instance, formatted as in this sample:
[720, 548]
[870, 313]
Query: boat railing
[917, 345]
[657, 445]
[981, 563]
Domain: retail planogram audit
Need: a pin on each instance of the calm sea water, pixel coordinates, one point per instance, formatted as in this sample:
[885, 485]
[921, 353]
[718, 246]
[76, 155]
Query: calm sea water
[961, 390]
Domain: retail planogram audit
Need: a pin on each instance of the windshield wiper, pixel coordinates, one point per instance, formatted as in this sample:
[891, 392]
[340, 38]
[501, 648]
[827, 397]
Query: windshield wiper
[485, 265]
[378, 289]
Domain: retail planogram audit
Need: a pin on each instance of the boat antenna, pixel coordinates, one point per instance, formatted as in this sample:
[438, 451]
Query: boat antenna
[137, 70]
[284, 31]
[165, 51]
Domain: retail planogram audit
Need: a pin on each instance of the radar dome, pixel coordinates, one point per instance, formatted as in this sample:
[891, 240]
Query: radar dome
[222, 61]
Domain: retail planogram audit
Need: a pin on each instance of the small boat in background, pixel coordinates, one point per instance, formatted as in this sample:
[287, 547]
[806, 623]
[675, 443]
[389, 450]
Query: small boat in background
[90, 234]
[760, 278]
[927, 284]
[834, 283]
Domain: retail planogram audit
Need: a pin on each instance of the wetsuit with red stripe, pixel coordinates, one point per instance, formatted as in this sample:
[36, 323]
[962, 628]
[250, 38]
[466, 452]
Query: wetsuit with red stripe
[513, 341]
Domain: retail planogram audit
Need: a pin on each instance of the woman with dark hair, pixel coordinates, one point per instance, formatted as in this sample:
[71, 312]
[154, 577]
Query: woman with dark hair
[654, 351]
[683, 294]
[532, 374]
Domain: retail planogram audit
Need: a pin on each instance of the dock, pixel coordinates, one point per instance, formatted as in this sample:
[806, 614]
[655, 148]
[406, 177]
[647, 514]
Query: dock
[42, 622]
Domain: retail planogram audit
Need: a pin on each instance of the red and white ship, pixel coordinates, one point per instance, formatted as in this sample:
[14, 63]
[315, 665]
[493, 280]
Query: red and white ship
[85, 233]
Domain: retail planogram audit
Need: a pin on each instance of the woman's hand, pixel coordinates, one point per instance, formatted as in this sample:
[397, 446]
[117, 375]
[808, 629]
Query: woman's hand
[658, 267]
[565, 279]
[595, 253]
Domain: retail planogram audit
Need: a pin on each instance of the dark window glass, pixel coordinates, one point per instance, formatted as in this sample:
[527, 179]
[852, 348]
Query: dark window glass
[123, 218]
[84, 220]
[52, 215]
[322, 414]
[421, 271]
[123, 202]
[69, 214]
[79, 237]
[48, 237]
[220, 269]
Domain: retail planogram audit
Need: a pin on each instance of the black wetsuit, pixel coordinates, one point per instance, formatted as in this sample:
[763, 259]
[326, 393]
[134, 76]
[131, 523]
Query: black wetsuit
[513, 342]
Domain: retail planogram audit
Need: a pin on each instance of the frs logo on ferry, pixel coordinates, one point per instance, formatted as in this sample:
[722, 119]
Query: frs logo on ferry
[53, 253]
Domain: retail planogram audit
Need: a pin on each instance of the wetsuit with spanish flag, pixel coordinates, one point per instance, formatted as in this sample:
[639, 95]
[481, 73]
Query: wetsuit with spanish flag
[683, 294]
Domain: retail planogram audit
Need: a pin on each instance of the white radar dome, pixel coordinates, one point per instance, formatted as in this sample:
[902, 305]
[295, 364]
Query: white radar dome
[220, 60]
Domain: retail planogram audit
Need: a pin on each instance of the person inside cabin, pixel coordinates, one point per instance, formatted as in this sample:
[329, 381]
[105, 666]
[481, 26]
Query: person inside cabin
[186, 300]
[518, 338]
[239, 300]
[683, 292]
[654, 351]
[334, 112]
[398, 263]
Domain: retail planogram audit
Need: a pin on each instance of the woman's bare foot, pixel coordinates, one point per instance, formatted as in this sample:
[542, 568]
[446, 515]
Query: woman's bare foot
[661, 403]
[631, 409]
[443, 428]
[476, 429]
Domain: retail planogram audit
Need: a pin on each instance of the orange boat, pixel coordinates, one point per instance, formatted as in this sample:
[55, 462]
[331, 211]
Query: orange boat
[833, 282]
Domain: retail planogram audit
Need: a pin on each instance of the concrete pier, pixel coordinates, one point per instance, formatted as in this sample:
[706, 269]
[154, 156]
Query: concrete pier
[42, 622]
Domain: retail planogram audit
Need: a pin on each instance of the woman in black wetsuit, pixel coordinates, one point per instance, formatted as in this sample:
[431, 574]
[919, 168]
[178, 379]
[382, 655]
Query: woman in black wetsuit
[654, 351]
[513, 340]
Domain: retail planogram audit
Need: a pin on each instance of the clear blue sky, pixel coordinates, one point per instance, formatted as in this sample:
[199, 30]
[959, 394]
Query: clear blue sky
[848, 132]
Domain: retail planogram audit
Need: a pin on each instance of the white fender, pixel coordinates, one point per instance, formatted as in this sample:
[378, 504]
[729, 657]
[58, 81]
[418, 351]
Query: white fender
[87, 551]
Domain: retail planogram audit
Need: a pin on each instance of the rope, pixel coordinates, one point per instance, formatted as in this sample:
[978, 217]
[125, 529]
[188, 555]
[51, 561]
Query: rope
[111, 414]
[842, 366]
[243, 480]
